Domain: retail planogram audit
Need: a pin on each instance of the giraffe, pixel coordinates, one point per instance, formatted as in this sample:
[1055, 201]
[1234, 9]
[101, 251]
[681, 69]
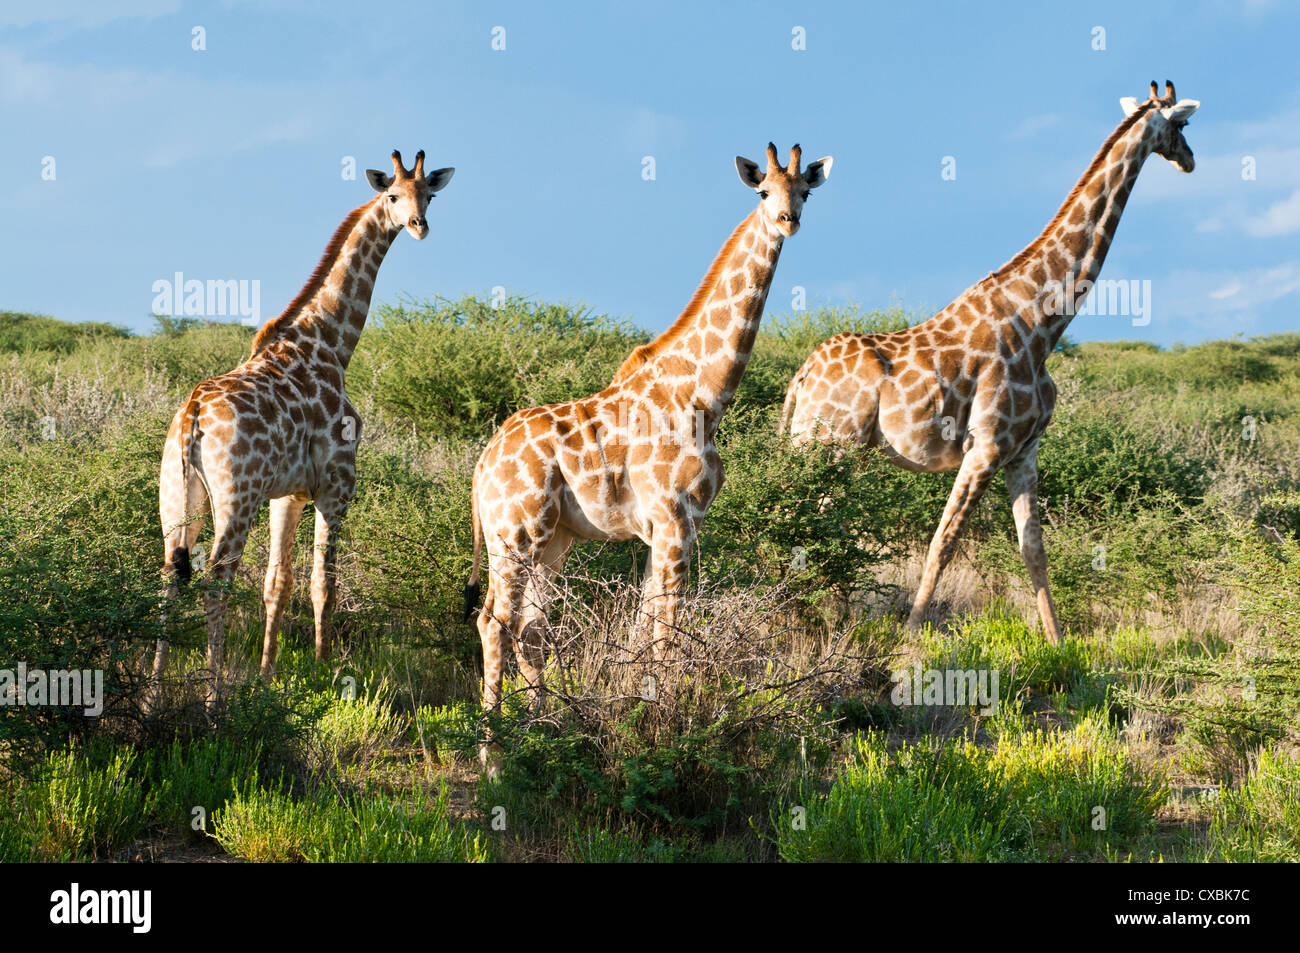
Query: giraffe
[280, 426]
[638, 459]
[967, 390]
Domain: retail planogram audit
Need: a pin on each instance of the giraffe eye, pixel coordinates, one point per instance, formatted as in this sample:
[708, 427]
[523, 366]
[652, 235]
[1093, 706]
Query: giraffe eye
[806, 193]
[762, 195]
[392, 198]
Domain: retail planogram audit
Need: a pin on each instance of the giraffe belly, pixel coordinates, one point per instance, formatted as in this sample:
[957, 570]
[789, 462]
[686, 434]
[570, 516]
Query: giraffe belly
[613, 523]
[923, 456]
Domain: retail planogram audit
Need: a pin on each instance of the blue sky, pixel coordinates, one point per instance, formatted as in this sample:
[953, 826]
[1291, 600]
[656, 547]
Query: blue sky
[226, 162]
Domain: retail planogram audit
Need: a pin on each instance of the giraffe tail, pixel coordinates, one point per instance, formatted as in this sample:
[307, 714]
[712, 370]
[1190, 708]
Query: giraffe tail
[791, 399]
[180, 562]
[472, 588]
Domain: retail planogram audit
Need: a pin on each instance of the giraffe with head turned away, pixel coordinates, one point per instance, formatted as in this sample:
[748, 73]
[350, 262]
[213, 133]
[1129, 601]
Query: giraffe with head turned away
[639, 458]
[968, 389]
[280, 427]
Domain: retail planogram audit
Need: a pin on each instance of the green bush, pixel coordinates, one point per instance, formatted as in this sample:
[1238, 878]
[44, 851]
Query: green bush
[36, 332]
[355, 732]
[410, 533]
[78, 524]
[801, 513]
[205, 773]
[86, 807]
[1079, 790]
[1094, 465]
[459, 368]
[1116, 567]
[448, 732]
[1236, 702]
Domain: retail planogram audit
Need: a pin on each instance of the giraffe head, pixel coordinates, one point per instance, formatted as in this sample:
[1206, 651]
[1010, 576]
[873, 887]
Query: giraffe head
[782, 191]
[1169, 115]
[406, 195]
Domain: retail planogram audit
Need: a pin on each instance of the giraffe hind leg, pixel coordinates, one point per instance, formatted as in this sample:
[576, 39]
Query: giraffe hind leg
[229, 538]
[1022, 486]
[538, 594]
[286, 512]
[977, 471]
[502, 606]
[324, 575]
[181, 531]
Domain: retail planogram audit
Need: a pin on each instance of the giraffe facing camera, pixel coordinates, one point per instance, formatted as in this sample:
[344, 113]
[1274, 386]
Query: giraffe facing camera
[639, 459]
[280, 427]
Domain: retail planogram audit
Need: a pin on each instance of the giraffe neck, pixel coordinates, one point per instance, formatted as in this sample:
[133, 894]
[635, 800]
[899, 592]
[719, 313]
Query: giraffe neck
[701, 358]
[330, 310]
[1068, 255]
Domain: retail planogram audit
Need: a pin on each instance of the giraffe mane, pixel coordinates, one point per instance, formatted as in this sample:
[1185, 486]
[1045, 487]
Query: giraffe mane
[318, 276]
[646, 352]
[1036, 245]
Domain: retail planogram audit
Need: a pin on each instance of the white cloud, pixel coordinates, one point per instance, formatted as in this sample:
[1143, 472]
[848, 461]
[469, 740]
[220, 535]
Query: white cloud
[1281, 218]
[1223, 301]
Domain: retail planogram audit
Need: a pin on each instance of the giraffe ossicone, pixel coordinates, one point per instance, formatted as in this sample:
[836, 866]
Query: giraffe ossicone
[590, 469]
[968, 390]
[280, 427]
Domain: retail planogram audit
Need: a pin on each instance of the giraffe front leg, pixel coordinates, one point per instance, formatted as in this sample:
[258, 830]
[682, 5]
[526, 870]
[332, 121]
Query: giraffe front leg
[286, 512]
[323, 576]
[977, 471]
[1022, 486]
[670, 561]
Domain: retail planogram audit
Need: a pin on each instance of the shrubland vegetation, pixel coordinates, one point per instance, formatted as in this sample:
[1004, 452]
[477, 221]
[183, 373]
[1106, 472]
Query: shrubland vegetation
[1171, 500]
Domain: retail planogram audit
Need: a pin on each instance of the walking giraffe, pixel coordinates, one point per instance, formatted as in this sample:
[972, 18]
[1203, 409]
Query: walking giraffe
[280, 426]
[638, 458]
[968, 389]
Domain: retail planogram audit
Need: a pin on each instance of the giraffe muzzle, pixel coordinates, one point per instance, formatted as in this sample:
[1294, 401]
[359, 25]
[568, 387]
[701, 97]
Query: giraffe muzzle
[419, 227]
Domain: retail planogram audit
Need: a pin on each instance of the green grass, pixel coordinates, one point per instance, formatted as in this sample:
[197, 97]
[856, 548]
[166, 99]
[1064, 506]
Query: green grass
[1148, 464]
[1036, 796]
[272, 826]
[1260, 820]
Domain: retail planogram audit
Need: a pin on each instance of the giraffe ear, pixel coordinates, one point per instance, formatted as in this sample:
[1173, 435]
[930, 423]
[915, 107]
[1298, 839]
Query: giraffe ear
[749, 172]
[1181, 111]
[378, 180]
[1129, 105]
[437, 181]
[818, 172]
